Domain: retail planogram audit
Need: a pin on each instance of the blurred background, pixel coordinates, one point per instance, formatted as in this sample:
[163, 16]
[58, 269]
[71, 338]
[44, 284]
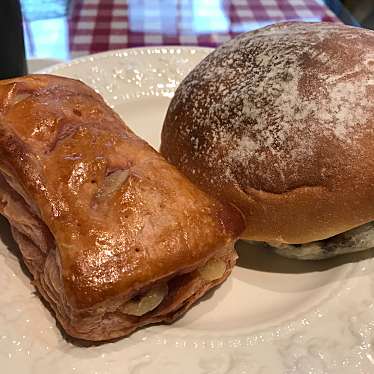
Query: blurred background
[362, 11]
[64, 29]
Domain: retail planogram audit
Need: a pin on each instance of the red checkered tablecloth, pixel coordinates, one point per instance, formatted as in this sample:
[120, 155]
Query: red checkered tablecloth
[101, 25]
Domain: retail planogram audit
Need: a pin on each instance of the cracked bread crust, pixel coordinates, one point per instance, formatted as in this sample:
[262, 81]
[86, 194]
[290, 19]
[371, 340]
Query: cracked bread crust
[279, 121]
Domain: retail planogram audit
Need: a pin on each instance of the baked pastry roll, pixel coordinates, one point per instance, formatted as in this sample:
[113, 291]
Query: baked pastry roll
[115, 237]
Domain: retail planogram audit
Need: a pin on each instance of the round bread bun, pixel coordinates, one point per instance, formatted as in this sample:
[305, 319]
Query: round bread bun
[280, 123]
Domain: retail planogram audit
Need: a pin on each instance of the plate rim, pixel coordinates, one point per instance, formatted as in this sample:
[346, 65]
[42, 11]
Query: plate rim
[122, 52]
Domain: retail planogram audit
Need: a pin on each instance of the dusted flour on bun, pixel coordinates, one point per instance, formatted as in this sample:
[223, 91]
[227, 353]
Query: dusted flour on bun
[280, 122]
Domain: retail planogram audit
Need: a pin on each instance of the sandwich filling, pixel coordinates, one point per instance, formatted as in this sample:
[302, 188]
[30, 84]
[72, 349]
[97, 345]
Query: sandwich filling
[358, 239]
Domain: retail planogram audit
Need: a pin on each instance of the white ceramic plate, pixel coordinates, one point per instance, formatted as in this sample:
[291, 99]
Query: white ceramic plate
[272, 316]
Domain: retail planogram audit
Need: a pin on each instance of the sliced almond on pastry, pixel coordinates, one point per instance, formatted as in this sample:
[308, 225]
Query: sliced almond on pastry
[147, 302]
[213, 269]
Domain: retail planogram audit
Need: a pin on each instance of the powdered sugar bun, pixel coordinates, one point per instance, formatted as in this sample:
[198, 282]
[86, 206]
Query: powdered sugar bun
[280, 122]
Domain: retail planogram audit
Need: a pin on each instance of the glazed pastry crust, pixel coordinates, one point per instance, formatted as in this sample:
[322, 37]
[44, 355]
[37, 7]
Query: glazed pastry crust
[98, 214]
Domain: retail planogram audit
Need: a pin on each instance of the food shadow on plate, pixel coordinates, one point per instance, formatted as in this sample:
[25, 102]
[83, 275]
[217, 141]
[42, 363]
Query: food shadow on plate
[260, 267]
[15, 262]
[261, 257]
